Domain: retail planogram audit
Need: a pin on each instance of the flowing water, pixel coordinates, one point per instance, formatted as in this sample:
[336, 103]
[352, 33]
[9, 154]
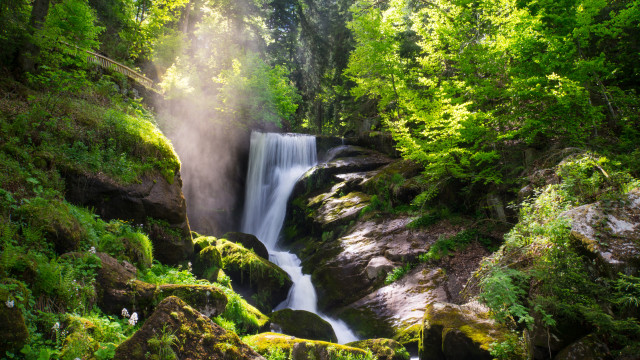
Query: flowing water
[276, 162]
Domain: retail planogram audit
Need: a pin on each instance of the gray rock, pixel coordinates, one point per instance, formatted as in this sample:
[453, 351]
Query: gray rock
[378, 266]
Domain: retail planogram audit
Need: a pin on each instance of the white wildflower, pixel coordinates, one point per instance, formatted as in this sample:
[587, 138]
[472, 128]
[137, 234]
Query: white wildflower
[56, 326]
[92, 250]
[189, 266]
[125, 312]
[9, 303]
[133, 319]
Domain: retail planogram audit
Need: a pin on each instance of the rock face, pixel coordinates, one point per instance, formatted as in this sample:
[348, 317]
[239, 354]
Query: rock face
[301, 349]
[302, 324]
[194, 336]
[117, 288]
[383, 349]
[260, 281]
[454, 332]
[154, 197]
[610, 233]
[341, 226]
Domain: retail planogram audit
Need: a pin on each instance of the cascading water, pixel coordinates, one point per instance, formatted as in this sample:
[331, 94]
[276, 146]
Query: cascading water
[276, 162]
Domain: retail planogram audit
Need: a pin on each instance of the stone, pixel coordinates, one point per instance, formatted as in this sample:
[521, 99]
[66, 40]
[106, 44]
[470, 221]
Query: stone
[208, 263]
[249, 242]
[195, 336]
[117, 288]
[382, 349]
[260, 281]
[303, 324]
[378, 266]
[458, 332]
[587, 348]
[396, 310]
[300, 349]
[154, 197]
[609, 233]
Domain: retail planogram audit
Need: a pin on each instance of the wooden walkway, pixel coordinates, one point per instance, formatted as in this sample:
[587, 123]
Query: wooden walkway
[110, 64]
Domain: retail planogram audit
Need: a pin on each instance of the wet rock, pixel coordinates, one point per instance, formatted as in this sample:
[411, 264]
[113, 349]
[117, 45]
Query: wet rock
[455, 332]
[380, 141]
[300, 349]
[117, 288]
[260, 281]
[195, 336]
[208, 263]
[609, 232]
[200, 242]
[587, 348]
[303, 324]
[249, 242]
[154, 197]
[396, 310]
[13, 329]
[382, 349]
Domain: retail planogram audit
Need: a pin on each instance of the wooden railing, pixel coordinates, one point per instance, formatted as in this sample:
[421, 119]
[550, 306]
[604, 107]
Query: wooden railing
[107, 63]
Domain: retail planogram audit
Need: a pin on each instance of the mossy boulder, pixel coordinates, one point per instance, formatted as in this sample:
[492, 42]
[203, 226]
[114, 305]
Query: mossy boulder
[300, 349]
[260, 281]
[383, 349]
[249, 242]
[302, 324]
[208, 263]
[587, 348]
[200, 242]
[117, 288]
[13, 329]
[54, 219]
[458, 332]
[195, 336]
[153, 201]
[609, 233]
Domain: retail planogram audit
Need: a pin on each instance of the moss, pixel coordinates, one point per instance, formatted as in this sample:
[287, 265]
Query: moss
[13, 329]
[409, 336]
[265, 342]
[208, 263]
[383, 349]
[200, 242]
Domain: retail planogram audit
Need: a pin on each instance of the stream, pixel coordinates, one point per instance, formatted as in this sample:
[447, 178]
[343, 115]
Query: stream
[276, 162]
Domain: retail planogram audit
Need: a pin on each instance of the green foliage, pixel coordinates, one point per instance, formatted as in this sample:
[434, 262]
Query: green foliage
[239, 312]
[538, 275]
[273, 97]
[398, 273]
[160, 274]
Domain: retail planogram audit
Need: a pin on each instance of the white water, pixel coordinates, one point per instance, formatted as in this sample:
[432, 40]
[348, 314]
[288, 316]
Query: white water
[276, 162]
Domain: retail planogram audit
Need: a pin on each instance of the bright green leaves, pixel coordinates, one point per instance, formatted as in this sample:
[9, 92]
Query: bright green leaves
[71, 22]
[272, 99]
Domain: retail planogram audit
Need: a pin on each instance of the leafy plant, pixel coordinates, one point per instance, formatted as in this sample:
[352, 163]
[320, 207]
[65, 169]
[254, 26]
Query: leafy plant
[162, 344]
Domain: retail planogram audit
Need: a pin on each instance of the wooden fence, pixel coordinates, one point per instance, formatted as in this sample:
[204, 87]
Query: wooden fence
[107, 63]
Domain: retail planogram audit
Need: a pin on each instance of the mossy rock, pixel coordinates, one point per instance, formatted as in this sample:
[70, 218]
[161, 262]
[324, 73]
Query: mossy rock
[13, 329]
[457, 332]
[58, 225]
[383, 349]
[200, 242]
[117, 288]
[587, 348]
[303, 324]
[208, 263]
[249, 242]
[262, 282]
[300, 349]
[196, 336]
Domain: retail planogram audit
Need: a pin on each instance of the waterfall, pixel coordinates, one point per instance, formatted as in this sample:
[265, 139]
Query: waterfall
[276, 162]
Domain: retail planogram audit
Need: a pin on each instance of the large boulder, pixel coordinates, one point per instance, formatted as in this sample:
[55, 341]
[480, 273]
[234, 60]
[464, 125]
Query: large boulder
[249, 242]
[609, 232]
[154, 201]
[396, 310]
[302, 324]
[208, 263]
[260, 281]
[118, 288]
[459, 332]
[13, 329]
[382, 349]
[175, 327]
[587, 348]
[301, 349]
